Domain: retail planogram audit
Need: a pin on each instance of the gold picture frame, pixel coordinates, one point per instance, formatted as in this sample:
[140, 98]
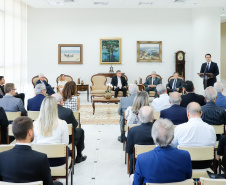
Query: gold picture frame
[149, 51]
[110, 51]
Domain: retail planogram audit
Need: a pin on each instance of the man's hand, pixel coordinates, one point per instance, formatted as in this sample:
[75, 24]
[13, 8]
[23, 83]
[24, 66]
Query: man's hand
[114, 87]
[124, 86]
[177, 89]
[152, 85]
[60, 86]
[168, 88]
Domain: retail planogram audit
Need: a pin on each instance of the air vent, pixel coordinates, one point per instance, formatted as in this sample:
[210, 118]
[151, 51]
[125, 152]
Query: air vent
[145, 3]
[179, 1]
[100, 3]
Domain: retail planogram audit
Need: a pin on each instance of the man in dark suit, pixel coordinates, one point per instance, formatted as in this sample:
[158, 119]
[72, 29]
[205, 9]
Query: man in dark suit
[49, 89]
[67, 115]
[164, 164]
[175, 84]
[140, 134]
[3, 124]
[21, 164]
[151, 83]
[191, 96]
[175, 113]
[119, 83]
[210, 67]
[34, 103]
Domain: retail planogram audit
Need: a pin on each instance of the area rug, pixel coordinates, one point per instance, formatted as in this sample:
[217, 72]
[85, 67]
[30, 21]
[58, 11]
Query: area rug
[104, 114]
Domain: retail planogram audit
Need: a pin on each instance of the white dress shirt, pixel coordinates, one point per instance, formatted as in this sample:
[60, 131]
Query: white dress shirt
[119, 83]
[194, 133]
[62, 83]
[161, 103]
[153, 81]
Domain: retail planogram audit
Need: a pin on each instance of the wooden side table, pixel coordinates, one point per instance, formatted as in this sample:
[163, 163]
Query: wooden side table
[84, 87]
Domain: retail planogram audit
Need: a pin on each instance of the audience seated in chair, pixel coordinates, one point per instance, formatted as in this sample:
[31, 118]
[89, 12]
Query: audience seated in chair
[212, 114]
[2, 90]
[191, 96]
[175, 84]
[3, 124]
[221, 151]
[162, 102]
[67, 115]
[125, 102]
[141, 99]
[221, 99]
[164, 164]
[175, 113]
[49, 89]
[140, 134]
[34, 104]
[49, 129]
[119, 83]
[70, 100]
[11, 104]
[151, 83]
[21, 164]
[61, 83]
[195, 133]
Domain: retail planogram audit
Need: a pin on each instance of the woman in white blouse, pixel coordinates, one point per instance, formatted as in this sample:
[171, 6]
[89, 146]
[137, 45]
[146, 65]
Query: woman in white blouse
[49, 129]
[70, 100]
[61, 82]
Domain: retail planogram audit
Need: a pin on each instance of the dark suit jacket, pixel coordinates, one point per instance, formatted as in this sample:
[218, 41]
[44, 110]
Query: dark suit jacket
[4, 124]
[149, 81]
[21, 164]
[34, 103]
[213, 69]
[179, 84]
[2, 90]
[46, 84]
[212, 114]
[114, 81]
[163, 165]
[192, 97]
[176, 114]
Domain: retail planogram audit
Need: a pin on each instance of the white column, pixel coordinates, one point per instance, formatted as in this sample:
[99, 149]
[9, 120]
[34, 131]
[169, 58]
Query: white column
[206, 39]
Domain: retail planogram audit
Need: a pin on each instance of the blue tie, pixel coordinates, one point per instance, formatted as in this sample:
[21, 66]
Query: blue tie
[208, 67]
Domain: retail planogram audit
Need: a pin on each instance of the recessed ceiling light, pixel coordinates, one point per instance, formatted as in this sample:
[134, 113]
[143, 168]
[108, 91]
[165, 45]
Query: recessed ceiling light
[56, 3]
[145, 3]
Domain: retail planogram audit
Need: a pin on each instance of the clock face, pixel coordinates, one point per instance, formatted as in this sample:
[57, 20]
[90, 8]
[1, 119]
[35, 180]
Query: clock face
[180, 56]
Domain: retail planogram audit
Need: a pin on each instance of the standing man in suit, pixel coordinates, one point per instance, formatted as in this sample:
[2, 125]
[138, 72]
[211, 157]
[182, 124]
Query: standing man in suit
[3, 124]
[21, 164]
[119, 83]
[175, 84]
[49, 89]
[209, 67]
[34, 104]
[151, 83]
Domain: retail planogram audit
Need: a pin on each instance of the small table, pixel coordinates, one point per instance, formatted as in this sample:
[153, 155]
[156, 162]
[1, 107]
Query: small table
[84, 87]
[104, 100]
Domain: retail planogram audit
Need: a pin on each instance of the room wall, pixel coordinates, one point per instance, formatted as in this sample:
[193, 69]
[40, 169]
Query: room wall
[223, 49]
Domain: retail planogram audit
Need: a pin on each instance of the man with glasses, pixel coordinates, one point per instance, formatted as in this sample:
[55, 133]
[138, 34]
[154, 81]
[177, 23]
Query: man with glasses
[49, 89]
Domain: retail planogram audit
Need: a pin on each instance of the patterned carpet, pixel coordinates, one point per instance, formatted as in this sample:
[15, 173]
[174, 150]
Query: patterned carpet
[106, 114]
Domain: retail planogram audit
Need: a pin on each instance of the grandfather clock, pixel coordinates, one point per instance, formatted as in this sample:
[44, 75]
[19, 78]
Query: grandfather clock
[180, 63]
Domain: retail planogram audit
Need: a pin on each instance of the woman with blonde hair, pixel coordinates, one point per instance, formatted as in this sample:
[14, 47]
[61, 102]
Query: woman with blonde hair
[49, 129]
[70, 99]
[61, 83]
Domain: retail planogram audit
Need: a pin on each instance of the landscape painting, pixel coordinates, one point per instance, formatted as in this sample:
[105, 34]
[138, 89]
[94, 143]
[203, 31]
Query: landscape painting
[149, 51]
[70, 54]
[110, 51]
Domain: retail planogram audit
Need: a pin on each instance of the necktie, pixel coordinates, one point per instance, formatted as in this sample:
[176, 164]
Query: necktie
[119, 83]
[208, 67]
[174, 84]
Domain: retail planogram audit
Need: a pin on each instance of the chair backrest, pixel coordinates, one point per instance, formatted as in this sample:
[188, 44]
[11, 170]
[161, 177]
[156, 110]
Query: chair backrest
[219, 129]
[139, 149]
[77, 117]
[33, 114]
[186, 182]
[11, 116]
[67, 78]
[98, 82]
[157, 114]
[4, 148]
[199, 153]
[179, 77]
[70, 129]
[35, 79]
[10, 130]
[28, 183]
[207, 181]
[156, 76]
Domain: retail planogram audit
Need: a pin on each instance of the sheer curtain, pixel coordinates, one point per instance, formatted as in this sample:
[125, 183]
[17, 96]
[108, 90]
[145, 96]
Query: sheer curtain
[13, 42]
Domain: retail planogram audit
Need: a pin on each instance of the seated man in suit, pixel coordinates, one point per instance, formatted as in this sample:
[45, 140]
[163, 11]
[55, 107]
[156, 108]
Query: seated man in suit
[175, 84]
[151, 83]
[49, 89]
[212, 114]
[119, 83]
[34, 103]
[67, 115]
[2, 91]
[175, 113]
[21, 164]
[195, 133]
[221, 99]
[3, 125]
[10, 103]
[164, 164]
[191, 96]
[125, 102]
[140, 134]
[162, 102]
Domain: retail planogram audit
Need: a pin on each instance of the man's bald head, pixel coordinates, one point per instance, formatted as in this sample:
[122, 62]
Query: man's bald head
[175, 98]
[146, 114]
[194, 110]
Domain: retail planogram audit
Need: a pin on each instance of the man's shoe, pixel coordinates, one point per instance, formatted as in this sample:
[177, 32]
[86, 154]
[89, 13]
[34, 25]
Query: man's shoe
[80, 159]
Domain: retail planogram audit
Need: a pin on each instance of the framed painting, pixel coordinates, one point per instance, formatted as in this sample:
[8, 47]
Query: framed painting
[149, 51]
[110, 51]
[70, 53]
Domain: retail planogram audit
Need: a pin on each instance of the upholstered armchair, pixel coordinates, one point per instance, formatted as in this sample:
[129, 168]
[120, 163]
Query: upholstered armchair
[98, 87]
[67, 78]
[120, 93]
[179, 77]
[152, 93]
[35, 79]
